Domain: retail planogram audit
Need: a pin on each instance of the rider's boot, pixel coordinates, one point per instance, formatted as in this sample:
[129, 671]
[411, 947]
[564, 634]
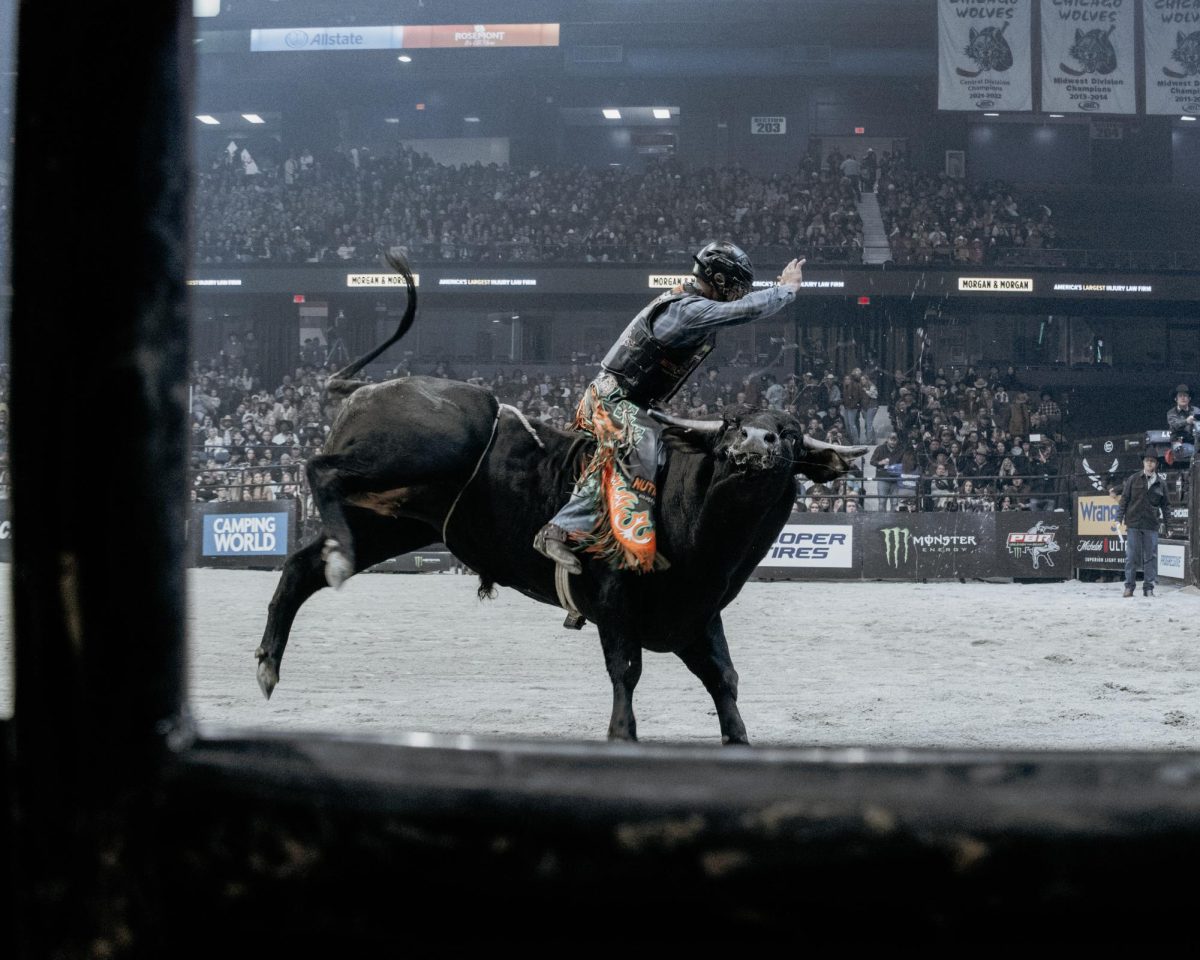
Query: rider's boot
[551, 542]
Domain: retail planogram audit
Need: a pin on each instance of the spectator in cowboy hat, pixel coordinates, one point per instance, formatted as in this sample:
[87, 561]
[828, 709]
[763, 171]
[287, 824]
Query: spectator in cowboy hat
[1182, 421]
[1142, 509]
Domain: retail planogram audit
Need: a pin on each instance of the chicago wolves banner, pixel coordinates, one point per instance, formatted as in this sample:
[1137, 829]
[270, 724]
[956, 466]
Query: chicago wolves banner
[1172, 41]
[1088, 56]
[984, 55]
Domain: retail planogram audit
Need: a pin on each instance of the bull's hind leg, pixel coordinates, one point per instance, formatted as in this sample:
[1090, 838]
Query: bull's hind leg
[304, 573]
[327, 480]
[708, 658]
[624, 661]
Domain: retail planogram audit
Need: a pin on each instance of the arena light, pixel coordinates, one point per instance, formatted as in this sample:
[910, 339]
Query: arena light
[391, 119]
[404, 58]
[1056, 116]
[470, 119]
[662, 113]
[991, 114]
[1188, 119]
[611, 113]
[208, 119]
[253, 118]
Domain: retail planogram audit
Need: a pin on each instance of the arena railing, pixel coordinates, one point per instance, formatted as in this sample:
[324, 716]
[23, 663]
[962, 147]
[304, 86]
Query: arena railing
[914, 494]
[1089, 259]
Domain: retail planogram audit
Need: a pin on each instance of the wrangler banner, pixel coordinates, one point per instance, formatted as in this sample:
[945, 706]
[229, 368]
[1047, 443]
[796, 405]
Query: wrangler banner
[984, 55]
[1088, 56]
[1171, 29]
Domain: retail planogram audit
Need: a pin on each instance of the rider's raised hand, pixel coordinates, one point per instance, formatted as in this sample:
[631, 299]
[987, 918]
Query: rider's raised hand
[793, 274]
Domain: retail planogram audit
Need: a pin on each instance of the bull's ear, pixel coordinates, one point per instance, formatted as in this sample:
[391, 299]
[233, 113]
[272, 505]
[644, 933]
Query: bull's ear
[689, 436]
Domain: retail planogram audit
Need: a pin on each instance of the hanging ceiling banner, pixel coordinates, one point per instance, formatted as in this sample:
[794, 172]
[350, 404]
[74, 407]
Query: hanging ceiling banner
[1172, 56]
[984, 53]
[401, 37]
[1088, 63]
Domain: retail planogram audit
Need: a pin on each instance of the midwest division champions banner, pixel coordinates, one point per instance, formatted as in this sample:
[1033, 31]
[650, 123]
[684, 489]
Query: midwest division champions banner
[1088, 56]
[1172, 40]
[984, 55]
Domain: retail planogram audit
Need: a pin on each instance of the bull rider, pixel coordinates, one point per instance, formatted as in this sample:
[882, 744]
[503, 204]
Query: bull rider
[610, 513]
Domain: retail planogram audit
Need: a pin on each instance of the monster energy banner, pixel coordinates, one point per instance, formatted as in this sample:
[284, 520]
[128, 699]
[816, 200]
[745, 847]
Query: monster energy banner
[1088, 56]
[928, 546]
[1172, 41]
[984, 54]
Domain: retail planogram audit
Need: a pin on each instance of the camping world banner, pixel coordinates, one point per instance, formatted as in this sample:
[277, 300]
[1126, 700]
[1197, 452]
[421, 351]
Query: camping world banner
[1172, 32]
[1088, 56]
[984, 55]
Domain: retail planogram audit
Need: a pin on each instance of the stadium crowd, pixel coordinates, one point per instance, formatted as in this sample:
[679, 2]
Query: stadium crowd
[350, 209]
[352, 206]
[942, 440]
[941, 219]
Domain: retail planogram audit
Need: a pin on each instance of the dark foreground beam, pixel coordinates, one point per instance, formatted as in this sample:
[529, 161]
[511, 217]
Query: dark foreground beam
[99, 336]
[282, 843]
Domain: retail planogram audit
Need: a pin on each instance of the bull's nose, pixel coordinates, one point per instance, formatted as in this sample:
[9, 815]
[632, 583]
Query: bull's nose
[769, 438]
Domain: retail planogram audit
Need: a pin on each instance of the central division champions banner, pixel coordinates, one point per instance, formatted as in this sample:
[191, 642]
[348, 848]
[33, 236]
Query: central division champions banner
[1088, 56]
[1172, 53]
[984, 53]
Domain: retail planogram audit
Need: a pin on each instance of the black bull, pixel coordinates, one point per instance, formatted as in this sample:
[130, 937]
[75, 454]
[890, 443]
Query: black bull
[414, 461]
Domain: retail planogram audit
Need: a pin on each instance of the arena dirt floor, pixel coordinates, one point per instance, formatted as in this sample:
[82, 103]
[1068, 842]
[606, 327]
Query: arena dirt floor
[1046, 666]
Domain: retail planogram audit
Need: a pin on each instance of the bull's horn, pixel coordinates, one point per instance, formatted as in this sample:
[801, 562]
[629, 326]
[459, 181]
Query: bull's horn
[700, 426]
[850, 453]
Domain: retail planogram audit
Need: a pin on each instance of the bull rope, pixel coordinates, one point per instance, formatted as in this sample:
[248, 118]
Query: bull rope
[483, 456]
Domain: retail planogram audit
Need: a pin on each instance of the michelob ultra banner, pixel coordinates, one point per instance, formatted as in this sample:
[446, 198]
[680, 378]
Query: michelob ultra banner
[984, 55]
[1172, 56]
[1088, 56]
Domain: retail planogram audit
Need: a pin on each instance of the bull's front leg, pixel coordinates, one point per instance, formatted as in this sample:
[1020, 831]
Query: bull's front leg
[708, 658]
[624, 661]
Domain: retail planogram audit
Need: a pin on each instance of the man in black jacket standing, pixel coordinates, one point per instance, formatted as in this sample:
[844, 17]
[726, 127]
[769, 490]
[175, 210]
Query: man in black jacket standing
[1142, 506]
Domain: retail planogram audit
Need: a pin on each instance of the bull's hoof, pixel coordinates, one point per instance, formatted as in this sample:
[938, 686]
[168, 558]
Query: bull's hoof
[338, 568]
[268, 678]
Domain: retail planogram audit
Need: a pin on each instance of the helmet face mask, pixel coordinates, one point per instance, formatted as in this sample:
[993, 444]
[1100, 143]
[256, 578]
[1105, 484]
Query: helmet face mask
[726, 268]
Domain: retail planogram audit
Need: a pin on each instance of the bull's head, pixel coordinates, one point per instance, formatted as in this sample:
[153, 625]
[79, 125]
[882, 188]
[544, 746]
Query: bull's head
[760, 441]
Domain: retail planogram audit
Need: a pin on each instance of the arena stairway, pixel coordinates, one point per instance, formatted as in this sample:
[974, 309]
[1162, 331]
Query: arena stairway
[875, 243]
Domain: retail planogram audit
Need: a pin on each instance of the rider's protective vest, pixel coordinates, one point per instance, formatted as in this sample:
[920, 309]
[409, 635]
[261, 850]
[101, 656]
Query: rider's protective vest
[646, 368]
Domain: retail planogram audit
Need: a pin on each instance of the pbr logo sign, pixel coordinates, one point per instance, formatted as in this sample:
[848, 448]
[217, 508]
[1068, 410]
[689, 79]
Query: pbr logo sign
[802, 545]
[1037, 543]
[245, 535]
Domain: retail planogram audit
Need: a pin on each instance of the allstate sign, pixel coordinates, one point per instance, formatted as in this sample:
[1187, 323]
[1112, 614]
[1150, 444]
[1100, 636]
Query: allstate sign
[245, 535]
[327, 38]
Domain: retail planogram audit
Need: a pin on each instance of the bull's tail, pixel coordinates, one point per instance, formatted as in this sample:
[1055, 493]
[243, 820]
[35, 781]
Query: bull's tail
[342, 384]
